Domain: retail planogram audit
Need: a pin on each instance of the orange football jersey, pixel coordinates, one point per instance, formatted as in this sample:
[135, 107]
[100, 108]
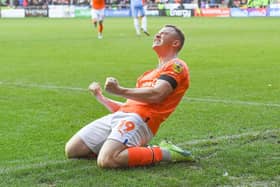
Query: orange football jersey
[98, 4]
[175, 72]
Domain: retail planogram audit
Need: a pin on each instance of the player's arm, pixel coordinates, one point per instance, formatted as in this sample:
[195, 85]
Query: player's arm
[156, 94]
[110, 104]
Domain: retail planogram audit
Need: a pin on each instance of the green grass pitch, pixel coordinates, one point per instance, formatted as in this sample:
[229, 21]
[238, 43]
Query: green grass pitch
[229, 118]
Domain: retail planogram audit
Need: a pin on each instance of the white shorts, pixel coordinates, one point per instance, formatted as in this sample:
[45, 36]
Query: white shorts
[98, 15]
[127, 128]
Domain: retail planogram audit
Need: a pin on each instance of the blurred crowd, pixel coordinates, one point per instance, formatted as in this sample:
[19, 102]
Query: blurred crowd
[153, 3]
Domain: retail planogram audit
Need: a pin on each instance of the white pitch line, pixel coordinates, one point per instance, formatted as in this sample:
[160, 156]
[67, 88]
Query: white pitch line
[31, 166]
[191, 142]
[37, 165]
[42, 86]
[192, 99]
[230, 137]
[205, 100]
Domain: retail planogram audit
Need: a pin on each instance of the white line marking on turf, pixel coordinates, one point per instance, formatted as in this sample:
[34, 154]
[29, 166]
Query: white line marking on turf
[47, 86]
[31, 166]
[230, 137]
[191, 99]
[40, 164]
[231, 102]
[192, 142]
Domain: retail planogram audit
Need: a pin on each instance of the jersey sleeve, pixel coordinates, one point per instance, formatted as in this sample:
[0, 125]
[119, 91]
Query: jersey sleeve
[173, 73]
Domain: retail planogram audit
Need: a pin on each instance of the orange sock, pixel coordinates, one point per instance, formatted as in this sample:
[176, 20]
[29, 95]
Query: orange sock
[142, 156]
[100, 28]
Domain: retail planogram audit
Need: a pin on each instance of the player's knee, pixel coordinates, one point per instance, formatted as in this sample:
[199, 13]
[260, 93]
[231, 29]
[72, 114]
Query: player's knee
[103, 162]
[67, 150]
[107, 162]
[69, 153]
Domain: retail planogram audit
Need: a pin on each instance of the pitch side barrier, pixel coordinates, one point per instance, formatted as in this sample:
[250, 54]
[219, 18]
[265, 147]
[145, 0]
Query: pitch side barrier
[187, 11]
[7, 12]
[237, 12]
[19, 12]
[62, 11]
[36, 11]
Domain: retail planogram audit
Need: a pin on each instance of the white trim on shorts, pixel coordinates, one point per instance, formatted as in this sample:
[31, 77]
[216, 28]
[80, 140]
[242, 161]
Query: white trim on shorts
[116, 126]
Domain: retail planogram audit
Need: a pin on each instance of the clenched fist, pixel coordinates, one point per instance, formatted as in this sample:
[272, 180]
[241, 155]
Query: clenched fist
[95, 88]
[112, 85]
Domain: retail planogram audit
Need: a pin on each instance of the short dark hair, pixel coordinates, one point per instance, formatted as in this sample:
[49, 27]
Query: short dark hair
[179, 33]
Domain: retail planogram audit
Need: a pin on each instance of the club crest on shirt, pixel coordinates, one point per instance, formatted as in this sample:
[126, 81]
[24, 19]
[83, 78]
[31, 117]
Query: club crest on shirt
[177, 67]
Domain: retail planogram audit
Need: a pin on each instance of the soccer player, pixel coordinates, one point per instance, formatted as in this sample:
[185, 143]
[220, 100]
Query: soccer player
[119, 139]
[97, 14]
[139, 15]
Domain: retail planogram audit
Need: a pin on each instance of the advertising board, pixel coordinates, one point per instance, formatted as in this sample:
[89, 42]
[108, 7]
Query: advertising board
[12, 13]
